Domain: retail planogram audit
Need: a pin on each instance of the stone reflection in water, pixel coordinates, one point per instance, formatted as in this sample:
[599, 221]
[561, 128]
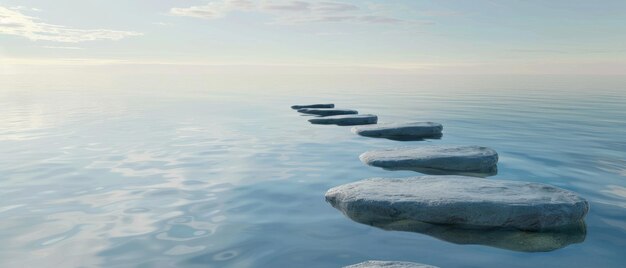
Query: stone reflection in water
[492, 171]
[504, 238]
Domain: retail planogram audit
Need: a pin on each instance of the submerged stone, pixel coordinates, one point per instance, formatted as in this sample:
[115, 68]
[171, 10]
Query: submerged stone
[346, 120]
[401, 131]
[389, 264]
[327, 112]
[319, 105]
[439, 157]
[459, 200]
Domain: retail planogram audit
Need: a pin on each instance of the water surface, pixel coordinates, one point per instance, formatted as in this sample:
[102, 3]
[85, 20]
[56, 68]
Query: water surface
[208, 171]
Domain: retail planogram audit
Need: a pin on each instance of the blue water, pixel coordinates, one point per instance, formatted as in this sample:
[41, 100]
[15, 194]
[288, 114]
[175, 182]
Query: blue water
[209, 171]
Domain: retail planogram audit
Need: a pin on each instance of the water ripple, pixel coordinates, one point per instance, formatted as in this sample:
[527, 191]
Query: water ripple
[218, 178]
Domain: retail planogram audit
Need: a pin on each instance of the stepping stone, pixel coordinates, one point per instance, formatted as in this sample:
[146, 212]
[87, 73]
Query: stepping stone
[389, 264]
[504, 238]
[346, 120]
[327, 112]
[439, 157]
[298, 107]
[460, 200]
[401, 131]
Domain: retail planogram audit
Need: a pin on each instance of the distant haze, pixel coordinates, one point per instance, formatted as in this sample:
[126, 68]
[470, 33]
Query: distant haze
[319, 37]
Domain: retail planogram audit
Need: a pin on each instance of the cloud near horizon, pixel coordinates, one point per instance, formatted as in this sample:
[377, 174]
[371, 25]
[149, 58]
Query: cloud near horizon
[289, 12]
[13, 22]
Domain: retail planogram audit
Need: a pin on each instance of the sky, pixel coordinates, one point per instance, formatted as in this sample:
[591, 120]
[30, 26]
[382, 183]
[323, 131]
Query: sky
[413, 36]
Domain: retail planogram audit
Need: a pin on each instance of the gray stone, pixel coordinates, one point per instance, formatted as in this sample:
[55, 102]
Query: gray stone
[327, 112]
[389, 264]
[439, 157]
[319, 105]
[460, 200]
[346, 120]
[401, 131]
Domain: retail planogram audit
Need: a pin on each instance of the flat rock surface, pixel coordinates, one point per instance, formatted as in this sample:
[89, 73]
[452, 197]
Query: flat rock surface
[346, 120]
[319, 105]
[389, 264]
[326, 112]
[460, 200]
[408, 130]
[441, 157]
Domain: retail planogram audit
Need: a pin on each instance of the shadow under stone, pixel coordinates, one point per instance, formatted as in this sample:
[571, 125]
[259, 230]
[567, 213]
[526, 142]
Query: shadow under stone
[345, 120]
[407, 138]
[504, 238]
[492, 171]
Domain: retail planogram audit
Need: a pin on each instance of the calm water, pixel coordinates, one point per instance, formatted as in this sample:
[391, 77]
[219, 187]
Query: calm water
[201, 171]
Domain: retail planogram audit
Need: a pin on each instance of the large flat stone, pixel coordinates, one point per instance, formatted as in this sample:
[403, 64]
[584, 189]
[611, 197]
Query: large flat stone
[327, 112]
[460, 200]
[401, 131]
[389, 264]
[346, 120]
[319, 105]
[439, 157]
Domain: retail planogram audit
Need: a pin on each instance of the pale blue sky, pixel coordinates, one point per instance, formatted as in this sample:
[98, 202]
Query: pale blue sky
[481, 36]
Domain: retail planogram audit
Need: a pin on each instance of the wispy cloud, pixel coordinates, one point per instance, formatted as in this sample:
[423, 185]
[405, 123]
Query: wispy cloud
[338, 18]
[439, 13]
[25, 8]
[13, 22]
[567, 51]
[290, 12]
[57, 47]
[208, 11]
[298, 6]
